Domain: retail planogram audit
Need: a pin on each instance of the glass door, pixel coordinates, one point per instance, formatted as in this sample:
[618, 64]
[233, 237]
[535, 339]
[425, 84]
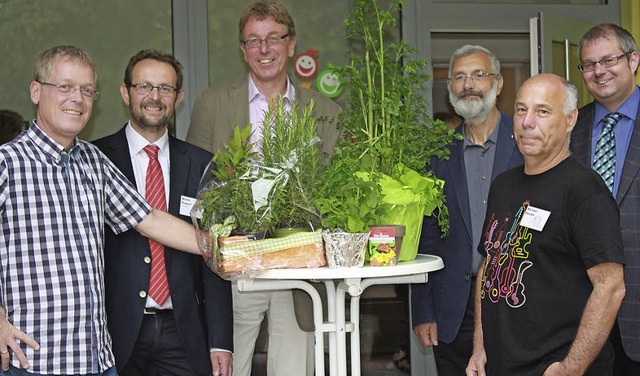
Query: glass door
[554, 44]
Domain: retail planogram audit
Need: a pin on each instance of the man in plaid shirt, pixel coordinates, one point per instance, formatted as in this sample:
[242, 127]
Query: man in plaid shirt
[56, 195]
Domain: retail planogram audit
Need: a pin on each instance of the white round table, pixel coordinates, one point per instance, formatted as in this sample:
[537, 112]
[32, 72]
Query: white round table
[339, 282]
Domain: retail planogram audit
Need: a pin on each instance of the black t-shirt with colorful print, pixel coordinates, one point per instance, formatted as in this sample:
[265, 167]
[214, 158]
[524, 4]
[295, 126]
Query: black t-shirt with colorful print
[541, 234]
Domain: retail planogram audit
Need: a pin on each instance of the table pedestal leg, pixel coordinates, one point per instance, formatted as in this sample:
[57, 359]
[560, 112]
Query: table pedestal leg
[341, 339]
[355, 287]
[331, 318]
[355, 334]
[263, 285]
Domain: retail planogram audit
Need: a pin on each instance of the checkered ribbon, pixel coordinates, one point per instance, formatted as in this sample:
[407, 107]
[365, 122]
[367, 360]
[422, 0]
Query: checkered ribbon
[258, 247]
[155, 195]
[604, 161]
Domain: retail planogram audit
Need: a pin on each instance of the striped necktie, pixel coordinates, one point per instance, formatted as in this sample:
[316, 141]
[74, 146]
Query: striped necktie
[604, 161]
[155, 195]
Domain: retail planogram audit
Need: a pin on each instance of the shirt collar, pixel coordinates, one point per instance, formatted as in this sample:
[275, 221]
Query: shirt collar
[137, 143]
[49, 146]
[493, 137]
[629, 108]
[289, 95]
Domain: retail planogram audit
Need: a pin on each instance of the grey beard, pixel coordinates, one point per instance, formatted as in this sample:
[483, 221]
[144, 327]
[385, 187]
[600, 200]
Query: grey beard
[475, 109]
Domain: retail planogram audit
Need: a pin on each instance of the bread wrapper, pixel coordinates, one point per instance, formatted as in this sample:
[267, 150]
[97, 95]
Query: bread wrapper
[234, 257]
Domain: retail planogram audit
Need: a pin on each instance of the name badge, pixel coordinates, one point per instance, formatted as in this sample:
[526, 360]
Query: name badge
[535, 218]
[186, 203]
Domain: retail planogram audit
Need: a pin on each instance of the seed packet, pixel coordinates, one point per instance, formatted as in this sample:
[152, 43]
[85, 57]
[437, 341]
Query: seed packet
[382, 246]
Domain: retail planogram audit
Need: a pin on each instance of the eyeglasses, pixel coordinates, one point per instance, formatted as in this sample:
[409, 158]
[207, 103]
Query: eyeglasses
[271, 41]
[68, 89]
[607, 62]
[144, 88]
[478, 76]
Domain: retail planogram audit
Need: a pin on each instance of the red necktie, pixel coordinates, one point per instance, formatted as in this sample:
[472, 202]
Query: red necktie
[155, 195]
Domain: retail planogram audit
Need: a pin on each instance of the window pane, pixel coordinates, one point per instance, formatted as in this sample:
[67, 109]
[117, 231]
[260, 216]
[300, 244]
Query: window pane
[111, 31]
[319, 27]
[589, 2]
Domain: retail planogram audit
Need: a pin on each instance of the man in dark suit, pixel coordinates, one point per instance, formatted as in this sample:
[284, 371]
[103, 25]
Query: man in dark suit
[609, 62]
[267, 40]
[442, 309]
[188, 331]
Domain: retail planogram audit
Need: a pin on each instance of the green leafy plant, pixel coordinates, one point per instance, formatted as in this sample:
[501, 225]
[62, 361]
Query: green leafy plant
[270, 187]
[229, 193]
[389, 134]
[348, 200]
[387, 121]
[291, 149]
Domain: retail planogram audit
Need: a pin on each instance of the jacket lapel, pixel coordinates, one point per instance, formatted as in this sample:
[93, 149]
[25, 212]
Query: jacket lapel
[178, 174]
[505, 147]
[631, 162]
[119, 154]
[458, 182]
[239, 102]
[581, 135]
[581, 148]
[503, 160]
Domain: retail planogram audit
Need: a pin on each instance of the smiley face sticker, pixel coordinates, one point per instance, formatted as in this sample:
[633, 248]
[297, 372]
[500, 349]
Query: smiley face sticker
[306, 66]
[328, 83]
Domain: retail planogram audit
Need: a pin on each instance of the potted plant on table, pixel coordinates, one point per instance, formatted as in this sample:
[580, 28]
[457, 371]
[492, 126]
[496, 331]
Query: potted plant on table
[389, 136]
[225, 203]
[290, 148]
[348, 200]
[228, 195]
[254, 189]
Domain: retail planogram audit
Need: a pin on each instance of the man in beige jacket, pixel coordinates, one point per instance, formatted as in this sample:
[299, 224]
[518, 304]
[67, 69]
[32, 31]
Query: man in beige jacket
[267, 40]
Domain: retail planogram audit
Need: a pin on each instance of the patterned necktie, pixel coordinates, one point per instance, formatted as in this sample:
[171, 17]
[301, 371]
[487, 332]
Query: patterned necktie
[604, 161]
[155, 195]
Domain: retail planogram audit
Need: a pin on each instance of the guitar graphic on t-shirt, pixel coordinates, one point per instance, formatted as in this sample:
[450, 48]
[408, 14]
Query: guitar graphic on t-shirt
[500, 279]
[516, 297]
[498, 276]
[488, 245]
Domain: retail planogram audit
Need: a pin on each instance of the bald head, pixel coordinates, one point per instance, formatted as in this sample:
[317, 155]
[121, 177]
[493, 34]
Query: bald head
[545, 114]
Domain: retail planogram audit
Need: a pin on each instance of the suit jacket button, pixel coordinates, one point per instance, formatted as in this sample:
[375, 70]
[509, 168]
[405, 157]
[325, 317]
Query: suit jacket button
[147, 260]
[467, 277]
[143, 294]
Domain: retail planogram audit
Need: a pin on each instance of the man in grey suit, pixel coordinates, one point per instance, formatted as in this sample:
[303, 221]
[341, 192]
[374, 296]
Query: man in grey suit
[267, 41]
[609, 62]
[442, 310]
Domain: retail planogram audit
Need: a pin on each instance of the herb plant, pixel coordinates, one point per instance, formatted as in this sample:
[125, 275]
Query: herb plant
[291, 149]
[229, 193]
[348, 200]
[387, 117]
[388, 131]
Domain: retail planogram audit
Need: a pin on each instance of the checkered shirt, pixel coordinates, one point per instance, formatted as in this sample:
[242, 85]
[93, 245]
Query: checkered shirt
[53, 208]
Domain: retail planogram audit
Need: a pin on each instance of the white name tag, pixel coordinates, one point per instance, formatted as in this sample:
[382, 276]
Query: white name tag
[535, 218]
[186, 203]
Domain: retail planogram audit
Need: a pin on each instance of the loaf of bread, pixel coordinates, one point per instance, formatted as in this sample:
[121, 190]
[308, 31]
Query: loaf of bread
[306, 256]
[241, 256]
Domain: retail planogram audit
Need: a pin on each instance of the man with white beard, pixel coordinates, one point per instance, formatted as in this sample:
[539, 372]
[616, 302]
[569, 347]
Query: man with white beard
[442, 310]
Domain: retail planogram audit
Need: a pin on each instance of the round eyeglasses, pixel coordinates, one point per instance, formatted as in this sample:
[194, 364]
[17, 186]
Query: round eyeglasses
[144, 88]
